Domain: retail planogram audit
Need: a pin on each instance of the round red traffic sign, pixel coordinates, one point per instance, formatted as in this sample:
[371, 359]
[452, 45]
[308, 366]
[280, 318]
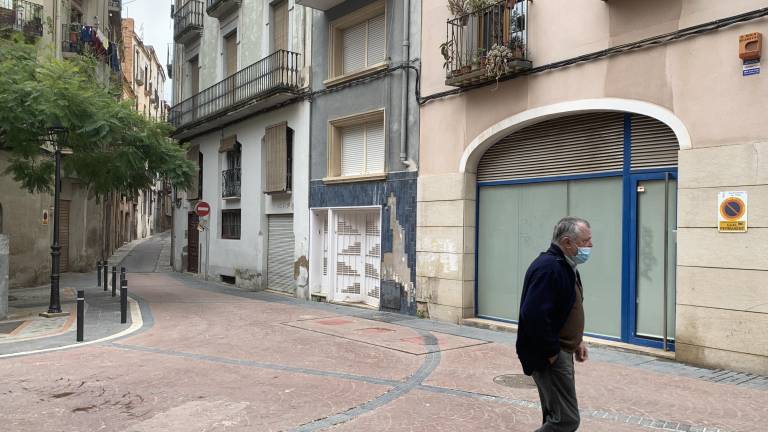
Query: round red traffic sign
[202, 208]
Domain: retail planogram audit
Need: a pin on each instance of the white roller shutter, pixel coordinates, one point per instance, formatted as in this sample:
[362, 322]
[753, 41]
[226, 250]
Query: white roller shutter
[374, 142]
[577, 144]
[352, 150]
[353, 49]
[376, 40]
[280, 254]
[654, 144]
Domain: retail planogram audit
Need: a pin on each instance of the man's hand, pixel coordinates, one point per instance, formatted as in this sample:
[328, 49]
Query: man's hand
[552, 359]
[581, 353]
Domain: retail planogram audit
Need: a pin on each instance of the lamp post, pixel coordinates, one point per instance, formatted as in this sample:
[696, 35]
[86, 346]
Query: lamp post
[54, 141]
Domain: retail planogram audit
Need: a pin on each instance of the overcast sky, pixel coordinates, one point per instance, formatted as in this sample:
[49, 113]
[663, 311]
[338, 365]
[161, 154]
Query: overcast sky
[157, 30]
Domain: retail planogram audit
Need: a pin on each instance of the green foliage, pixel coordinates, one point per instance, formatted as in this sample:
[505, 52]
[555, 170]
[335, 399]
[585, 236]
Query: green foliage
[114, 147]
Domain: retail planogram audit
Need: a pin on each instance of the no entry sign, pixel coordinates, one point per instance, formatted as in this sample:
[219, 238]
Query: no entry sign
[202, 208]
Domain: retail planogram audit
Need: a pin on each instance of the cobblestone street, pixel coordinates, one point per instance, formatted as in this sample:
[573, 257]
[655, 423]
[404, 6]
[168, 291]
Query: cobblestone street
[208, 357]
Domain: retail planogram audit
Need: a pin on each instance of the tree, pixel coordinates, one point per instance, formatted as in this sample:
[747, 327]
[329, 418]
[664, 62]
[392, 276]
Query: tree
[115, 149]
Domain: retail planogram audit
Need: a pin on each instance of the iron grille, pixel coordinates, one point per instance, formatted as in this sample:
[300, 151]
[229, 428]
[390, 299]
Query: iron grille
[279, 72]
[230, 224]
[230, 183]
[188, 18]
[22, 16]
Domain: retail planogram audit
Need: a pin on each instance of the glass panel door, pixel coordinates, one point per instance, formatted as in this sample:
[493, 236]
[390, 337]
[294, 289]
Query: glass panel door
[656, 207]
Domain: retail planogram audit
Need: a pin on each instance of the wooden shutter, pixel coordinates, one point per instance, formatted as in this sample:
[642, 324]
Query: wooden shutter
[353, 48]
[194, 76]
[352, 150]
[577, 144]
[275, 144]
[280, 26]
[376, 41]
[228, 144]
[193, 155]
[654, 145]
[230, 53]
[280, 250]
[374, 147]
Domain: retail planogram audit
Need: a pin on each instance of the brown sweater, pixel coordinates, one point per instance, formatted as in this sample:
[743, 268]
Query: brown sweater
[573, 331]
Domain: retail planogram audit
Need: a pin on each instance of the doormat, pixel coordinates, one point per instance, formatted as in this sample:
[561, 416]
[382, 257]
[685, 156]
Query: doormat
[9, 327]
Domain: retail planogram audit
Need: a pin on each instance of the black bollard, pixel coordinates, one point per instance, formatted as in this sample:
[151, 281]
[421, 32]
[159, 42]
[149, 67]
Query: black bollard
[122, 273]
[106, 270]
[123, 301]
[80, 313]
[98, 273]
[114, 281]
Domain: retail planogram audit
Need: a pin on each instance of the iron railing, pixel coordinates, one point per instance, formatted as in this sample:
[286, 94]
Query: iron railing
[23, 16]
[230, 183]
[189, 18]
[471, 37]
[80, 39]
[279, 72]
[116, 4]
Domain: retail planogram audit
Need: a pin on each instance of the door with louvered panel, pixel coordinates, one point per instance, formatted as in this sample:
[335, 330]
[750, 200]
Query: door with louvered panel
[280, 249]
[64, 206]
[357, 237]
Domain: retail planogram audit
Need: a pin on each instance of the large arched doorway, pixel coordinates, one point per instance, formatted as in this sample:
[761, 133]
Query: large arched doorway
[616, 169]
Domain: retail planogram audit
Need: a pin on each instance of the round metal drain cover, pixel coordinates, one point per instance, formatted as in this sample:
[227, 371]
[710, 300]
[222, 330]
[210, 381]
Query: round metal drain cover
[519, 381]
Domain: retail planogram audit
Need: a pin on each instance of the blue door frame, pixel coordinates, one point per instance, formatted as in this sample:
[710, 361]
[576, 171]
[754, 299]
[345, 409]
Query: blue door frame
[629, 236]
[629, 288]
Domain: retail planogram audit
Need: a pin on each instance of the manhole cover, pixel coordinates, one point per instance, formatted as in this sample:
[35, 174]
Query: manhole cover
[519, 381]
[8, 327]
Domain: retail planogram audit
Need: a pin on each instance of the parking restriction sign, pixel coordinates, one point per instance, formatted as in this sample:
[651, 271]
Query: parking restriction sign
[732, 211]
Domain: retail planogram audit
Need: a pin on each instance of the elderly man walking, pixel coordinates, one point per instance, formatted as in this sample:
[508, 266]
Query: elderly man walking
[551, 323]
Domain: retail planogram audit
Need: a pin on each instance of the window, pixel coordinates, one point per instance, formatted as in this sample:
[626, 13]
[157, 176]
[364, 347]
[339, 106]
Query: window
[358, 41]
[230, 224]
[278, 148]
[357, 146]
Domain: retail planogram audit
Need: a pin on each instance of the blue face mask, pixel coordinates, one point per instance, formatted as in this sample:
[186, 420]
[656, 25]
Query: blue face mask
[582, 255]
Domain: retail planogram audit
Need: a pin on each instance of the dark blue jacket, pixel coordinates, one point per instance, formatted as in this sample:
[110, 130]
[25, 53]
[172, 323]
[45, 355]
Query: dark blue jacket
[548, 297]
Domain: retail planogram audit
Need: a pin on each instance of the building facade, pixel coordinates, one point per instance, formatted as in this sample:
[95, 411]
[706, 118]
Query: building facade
[83, 219]
[364, 152]
[241, 72]
[634, 115]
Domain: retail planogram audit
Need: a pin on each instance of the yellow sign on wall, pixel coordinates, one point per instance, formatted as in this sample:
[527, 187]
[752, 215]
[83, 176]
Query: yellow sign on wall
[732, 211]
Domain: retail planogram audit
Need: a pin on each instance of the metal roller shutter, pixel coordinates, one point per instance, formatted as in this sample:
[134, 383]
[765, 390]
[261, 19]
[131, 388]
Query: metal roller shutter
[578, 144]
[353, 150]
[354, 52]
[654, 145]
[280, 254]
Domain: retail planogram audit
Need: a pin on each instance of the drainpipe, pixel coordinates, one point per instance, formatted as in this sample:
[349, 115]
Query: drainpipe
[404, 98]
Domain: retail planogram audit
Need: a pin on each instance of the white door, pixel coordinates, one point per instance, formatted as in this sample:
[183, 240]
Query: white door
[357, 241]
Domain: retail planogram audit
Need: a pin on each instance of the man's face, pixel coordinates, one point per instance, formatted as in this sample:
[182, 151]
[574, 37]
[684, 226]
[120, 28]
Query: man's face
[582, 239]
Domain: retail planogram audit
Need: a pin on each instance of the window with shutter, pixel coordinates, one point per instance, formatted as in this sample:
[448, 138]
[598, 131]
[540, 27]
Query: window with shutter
[357, 146]
[193, 155]
[358, 41]
[278, 154]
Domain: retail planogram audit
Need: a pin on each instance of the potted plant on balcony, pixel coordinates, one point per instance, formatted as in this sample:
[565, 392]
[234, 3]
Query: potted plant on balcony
[497, 61]
[448, 52]
[475, 6]
[459, 9]
[478, 59]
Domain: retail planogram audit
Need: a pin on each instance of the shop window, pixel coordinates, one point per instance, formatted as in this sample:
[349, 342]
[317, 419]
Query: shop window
[230, 224]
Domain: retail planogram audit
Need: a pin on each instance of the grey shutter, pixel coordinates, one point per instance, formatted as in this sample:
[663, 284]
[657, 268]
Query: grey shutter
[280, 253]
[352, 150]
[577, 144]
[193, 155]
[275, 141]
[654, 144]
[374, 147]
[353, 49]
[376, 45]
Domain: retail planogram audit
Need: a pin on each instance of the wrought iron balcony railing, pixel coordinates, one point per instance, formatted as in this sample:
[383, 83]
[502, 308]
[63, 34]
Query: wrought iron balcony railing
[188, 21]
[23, 16]
[221, 8]
[486, 44]
[278, 73]
[230, 183]
[80, 39]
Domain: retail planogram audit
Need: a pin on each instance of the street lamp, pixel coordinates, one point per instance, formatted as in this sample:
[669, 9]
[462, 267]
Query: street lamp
[54, 141]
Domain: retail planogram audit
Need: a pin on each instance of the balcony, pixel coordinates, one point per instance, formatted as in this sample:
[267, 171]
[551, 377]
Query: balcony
[22, 16]
[78, 39]
[322, 5]
[270, 81]
[188, 21]
[487, 44]
[230, 183]
[221, 8]
[116, 5]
